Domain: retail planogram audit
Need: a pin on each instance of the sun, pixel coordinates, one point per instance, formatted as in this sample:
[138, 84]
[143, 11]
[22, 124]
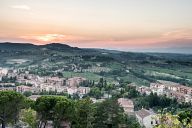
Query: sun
[48, 37]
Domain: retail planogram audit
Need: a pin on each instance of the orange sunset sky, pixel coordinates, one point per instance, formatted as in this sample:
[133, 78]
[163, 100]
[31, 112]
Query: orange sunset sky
[113, 24]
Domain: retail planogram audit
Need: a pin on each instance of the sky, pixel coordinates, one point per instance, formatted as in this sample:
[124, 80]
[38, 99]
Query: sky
[111, 24]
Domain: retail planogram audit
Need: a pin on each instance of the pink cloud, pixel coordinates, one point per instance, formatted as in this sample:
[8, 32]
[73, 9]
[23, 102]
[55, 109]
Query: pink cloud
[176, 37]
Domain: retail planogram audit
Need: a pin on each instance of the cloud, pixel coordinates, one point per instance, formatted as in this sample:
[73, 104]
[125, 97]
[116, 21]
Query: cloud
[46, 38]
[21, 7]
[178, 34]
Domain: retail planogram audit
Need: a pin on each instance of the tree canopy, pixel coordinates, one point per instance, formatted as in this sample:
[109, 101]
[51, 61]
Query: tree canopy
[10, 105]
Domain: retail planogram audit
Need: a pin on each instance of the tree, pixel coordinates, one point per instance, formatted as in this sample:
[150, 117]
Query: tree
[27, 93]
[168, 121]
[29, 116]
[63, 111]
[95, 92]
[84, 114]
[131, 122]
[109, 114]
[60, 74]
[101, 83]
[153, 100]
[133, 93]
[10, 105]
[55, 108]
[109, 87]
[181, 120]
[186, 117]
[28, 103]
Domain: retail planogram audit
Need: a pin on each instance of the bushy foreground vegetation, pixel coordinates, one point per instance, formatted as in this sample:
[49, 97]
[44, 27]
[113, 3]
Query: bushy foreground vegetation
[16, 110]
[59, 111]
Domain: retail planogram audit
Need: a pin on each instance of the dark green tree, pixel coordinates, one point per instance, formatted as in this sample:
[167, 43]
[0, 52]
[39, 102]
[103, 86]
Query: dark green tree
[55, 108]
[95, 92]
[27, 93]
[10, 105]
[84, 114]
[109, 114]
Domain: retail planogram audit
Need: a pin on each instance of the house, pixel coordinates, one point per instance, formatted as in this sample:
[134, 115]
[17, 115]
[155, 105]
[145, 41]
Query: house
[146, 118]
[184, 89]
[72, 90]
[75, 81]
[3, 71]
[7, 87]
[55, 81]
[83, 90]
[61, 89]
[144, 89]
[127, 105]
[179, 96]
[172, 90]
[176, 87]
[157, 88]
[23, 89]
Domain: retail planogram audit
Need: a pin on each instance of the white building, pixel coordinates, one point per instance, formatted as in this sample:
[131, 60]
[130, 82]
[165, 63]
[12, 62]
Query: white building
[3, 71]
[144, 89]
[158, 88]
[72, 90]
[83, 90]
[1, 77]
[146, 118]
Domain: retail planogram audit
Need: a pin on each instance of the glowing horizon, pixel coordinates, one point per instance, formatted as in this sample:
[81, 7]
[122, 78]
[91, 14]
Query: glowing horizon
[98, 24]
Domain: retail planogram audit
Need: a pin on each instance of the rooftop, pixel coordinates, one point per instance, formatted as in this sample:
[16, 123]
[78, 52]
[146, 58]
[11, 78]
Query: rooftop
[144, 113]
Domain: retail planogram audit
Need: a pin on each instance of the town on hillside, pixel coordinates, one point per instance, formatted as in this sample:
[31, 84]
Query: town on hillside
[35, 86]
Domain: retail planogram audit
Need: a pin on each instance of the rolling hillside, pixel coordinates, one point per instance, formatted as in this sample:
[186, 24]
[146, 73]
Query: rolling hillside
[141, 68]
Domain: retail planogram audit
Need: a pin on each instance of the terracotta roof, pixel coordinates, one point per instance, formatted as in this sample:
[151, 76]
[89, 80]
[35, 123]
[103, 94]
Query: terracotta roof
[143, 113]
[125, 102]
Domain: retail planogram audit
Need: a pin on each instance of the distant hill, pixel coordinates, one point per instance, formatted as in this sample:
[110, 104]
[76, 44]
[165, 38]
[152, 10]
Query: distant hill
[140, 68]
[27, 46]
[59, 46]
[17, 46]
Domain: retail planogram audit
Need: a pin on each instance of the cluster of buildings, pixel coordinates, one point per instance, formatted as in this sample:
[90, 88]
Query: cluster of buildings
[147, 118]
[36, 84]
[26, 82]
[170, 89]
